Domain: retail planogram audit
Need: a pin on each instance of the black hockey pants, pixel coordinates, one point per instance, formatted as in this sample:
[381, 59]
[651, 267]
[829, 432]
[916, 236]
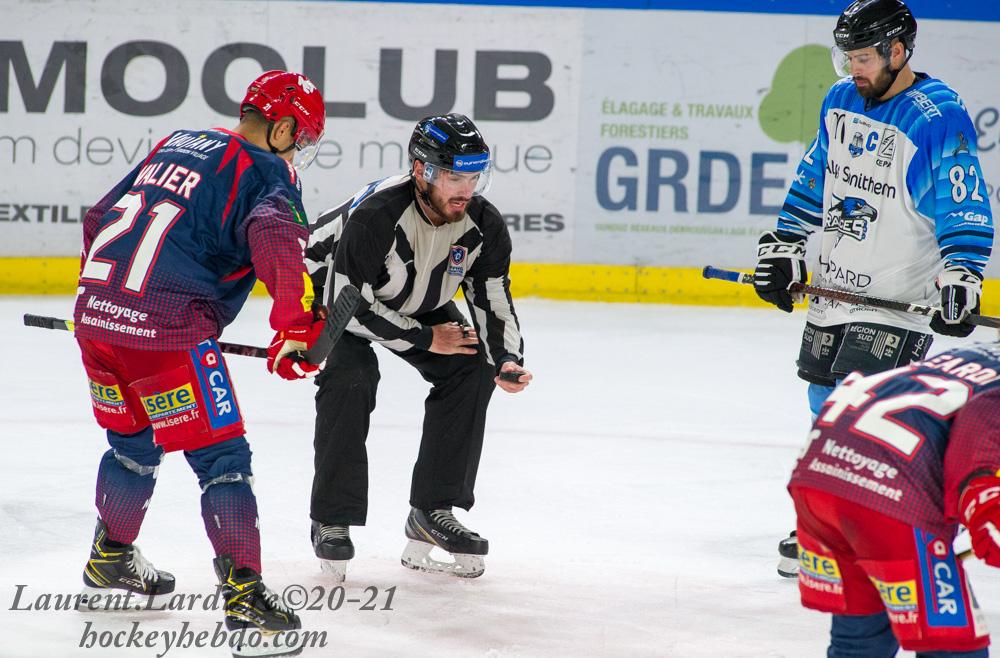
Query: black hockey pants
[452, 441]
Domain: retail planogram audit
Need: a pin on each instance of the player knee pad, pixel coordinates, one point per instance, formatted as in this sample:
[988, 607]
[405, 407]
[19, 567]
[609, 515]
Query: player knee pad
[134, 466]
[862, 635]
[124, 489]
[228, 478]
[136, 452]
[221, 463]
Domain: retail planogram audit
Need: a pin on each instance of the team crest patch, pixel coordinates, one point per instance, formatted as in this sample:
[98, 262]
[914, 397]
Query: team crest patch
[297, 215]
[456, 260]
[851, 216]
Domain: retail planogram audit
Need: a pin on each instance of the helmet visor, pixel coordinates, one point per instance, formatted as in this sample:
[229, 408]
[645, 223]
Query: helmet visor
[846, 63]
[306, 146]
[471, 176]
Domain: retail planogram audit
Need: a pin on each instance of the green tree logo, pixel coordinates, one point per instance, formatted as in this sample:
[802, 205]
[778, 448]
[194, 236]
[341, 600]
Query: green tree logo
[790, 110]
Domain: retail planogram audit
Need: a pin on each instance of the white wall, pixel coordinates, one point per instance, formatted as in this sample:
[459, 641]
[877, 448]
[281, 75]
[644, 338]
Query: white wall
[574, 171]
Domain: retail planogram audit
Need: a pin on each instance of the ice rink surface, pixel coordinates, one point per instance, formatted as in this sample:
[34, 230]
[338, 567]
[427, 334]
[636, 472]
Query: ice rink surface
[633, 497]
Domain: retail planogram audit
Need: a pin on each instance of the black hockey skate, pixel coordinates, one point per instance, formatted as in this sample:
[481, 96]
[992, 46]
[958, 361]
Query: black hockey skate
[333, 546]
[255, 615]
[119, 577]
[427, 529]
[788, 549]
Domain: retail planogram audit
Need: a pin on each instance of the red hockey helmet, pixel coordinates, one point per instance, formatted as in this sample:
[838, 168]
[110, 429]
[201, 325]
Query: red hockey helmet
[280, 94]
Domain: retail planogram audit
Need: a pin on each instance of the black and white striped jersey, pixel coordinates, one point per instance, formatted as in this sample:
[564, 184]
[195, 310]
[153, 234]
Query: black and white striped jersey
[404, 266]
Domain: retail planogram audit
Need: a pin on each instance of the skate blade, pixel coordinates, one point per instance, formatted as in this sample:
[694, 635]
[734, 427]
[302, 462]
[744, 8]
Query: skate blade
[788, 568]
[416, 556]
[335, 568]
[258, 644]
[109, 599]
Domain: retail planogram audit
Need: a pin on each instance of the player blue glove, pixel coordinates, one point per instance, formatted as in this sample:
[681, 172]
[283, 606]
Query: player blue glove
[781, 261]
[960, 291]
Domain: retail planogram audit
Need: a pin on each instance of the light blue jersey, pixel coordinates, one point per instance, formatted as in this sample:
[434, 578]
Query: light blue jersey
[898, 193]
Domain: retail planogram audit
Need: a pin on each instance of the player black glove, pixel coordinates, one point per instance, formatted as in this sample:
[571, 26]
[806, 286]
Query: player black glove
[960, 290]
[780, 262]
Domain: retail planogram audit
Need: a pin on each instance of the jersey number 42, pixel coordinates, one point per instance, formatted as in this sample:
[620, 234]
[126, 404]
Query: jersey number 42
[876, 418]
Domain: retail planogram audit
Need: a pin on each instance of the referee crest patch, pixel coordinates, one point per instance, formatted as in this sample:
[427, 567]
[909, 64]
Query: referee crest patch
[456, 260]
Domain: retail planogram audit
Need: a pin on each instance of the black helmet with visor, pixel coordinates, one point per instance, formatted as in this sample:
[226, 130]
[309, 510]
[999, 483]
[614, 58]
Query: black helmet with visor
[872, 24]
[451, 144]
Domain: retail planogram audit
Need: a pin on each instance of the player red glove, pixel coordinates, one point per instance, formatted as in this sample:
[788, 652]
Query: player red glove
[281, 357]
[979, 509]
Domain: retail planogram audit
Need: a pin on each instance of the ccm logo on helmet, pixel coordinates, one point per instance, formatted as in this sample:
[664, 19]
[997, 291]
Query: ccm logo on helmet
[307, 85]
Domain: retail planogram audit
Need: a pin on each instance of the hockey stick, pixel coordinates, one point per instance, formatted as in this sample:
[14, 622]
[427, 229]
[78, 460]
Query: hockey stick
[45, 322]
[336, 321]
[848, 297]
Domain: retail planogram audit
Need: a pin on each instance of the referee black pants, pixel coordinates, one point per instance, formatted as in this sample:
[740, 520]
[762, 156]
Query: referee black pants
[452, 440]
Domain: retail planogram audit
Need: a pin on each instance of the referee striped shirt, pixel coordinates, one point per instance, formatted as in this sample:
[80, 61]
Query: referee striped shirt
[404, 266]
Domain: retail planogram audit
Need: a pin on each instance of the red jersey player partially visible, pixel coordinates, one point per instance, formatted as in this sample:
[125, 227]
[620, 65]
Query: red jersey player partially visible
[169, 258]
[894, 461]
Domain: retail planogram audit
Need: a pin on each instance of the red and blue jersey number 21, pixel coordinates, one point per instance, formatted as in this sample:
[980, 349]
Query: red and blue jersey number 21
[162, 215]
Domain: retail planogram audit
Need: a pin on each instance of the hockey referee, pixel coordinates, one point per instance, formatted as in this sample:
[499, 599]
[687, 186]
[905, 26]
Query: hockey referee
[407, 243]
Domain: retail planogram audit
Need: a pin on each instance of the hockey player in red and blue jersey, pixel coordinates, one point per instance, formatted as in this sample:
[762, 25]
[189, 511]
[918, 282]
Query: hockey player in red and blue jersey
[169, 258]
[894, 462]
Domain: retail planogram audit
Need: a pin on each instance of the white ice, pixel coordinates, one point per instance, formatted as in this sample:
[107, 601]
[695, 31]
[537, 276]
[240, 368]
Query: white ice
[633, 496]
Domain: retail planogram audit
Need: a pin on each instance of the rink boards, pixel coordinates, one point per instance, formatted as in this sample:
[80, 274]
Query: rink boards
[628, 155]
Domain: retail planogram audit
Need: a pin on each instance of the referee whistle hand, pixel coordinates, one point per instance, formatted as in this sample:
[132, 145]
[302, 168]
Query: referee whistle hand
[514, 379]
[452, 338]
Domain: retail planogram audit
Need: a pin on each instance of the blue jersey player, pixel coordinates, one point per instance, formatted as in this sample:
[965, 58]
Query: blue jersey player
[169, 257]
[894, 191]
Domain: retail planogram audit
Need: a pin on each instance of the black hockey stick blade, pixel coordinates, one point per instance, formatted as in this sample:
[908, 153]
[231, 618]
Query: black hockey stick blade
[45, 322]
[850, 297]
[337, 319]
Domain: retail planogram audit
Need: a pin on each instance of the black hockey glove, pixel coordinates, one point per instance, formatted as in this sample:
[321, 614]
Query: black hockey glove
[960, 290]
[780, 262]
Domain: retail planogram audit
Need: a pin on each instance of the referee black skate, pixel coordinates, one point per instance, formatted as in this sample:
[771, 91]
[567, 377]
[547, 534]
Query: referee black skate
[408, 243]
